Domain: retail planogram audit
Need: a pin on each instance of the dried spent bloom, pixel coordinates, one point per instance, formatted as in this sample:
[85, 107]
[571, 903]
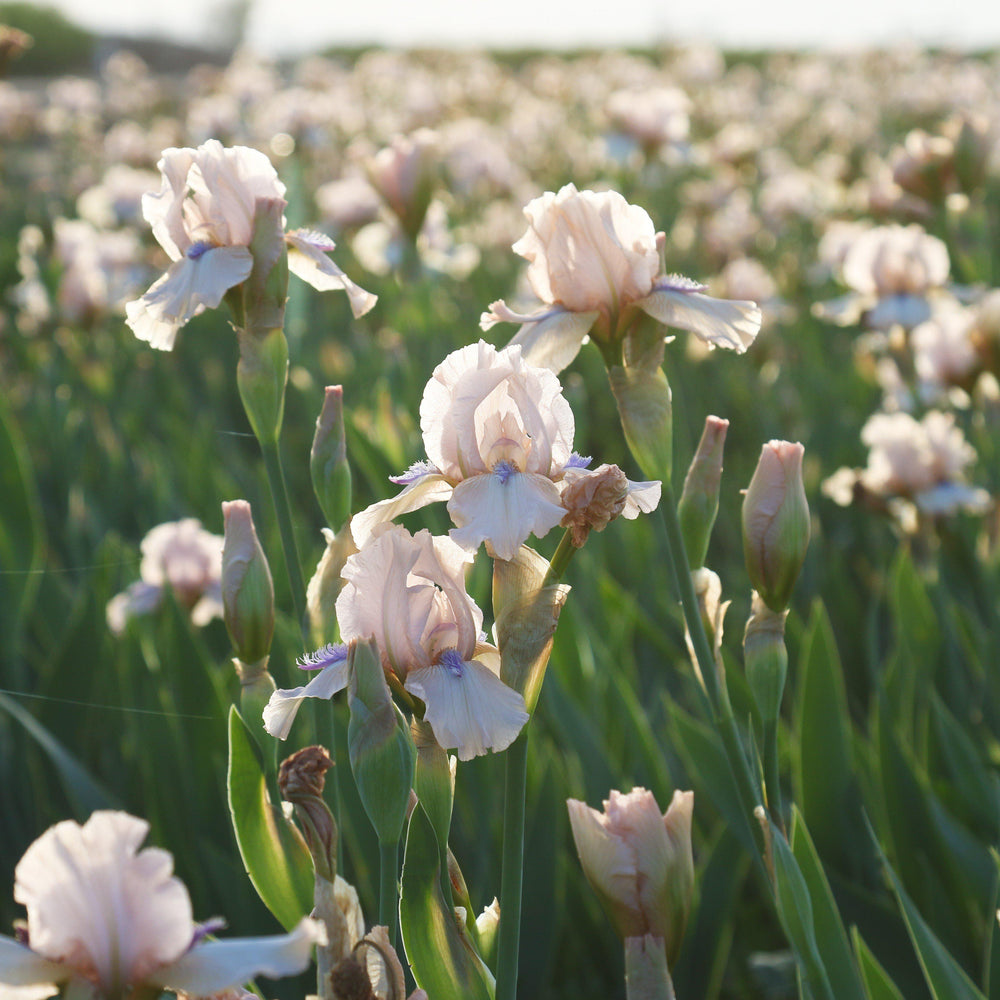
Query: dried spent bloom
[639, 862]
[180, 555]
[408, 592]
[776, 523]
[108, 920]
[204, 216]
[499, 438]
[594, 261]
[595, 498]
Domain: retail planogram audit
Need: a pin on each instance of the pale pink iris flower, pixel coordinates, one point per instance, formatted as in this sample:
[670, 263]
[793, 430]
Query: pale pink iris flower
[499, 440]
[919, 461]
[896, 274]
[180, 556]
[639, 861]
[594, 260]
[408, 592]
[203, 216]
[107, 919]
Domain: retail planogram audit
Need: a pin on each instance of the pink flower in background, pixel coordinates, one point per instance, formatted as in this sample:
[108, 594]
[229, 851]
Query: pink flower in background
[404, 174]
[408, 592]
[106, 919]
[651, 115]
[203, 216]
[921, 462]
[182, 556]
[499, 439]
[594, 259]
[895, 274]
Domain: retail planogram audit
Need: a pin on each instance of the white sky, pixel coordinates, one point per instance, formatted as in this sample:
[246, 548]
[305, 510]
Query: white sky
[290, 26]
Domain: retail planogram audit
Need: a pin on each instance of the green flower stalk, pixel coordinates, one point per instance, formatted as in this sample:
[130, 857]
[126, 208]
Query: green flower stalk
[383, 761]
[766, 663]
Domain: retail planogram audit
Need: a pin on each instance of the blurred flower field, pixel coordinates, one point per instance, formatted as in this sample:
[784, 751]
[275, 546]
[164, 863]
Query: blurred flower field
[854, 198]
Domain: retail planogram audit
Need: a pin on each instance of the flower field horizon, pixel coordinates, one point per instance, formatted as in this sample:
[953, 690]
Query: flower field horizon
[762, 291]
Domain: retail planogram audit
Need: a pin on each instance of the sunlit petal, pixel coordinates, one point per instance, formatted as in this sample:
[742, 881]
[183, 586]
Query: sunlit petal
[504, 510]
[214, 965]
[469, 708]
[281, 708]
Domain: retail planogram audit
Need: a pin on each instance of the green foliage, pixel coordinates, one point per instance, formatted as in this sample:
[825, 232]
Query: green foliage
[442, 957]
[892, 711]
[58, 45]
[276, 857]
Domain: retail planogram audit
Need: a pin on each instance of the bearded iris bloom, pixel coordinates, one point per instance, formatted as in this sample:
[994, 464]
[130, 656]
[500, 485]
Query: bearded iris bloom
[594, 261]
[499, 438]
[203, 216]
[408, 592]
[106, 919]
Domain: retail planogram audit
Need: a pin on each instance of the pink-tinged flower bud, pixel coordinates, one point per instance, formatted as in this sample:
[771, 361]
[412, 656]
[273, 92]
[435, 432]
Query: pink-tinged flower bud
[776, 523]
[639, 862]
[331, 474]
[404, 174]
[247, 588]
[699, 501]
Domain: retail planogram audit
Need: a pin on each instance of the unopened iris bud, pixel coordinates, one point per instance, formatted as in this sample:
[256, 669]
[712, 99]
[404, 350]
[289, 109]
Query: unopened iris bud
[381, 752]
[331, 473]
[776, 523]
[639, 862]
[247, 588]
[487, 926]
[699, 501]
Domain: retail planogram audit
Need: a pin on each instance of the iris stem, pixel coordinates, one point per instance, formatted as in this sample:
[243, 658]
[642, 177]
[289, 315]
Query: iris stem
[388, 897]
[772, 779]
[720, 711]
[511, 873]
[282, 509]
